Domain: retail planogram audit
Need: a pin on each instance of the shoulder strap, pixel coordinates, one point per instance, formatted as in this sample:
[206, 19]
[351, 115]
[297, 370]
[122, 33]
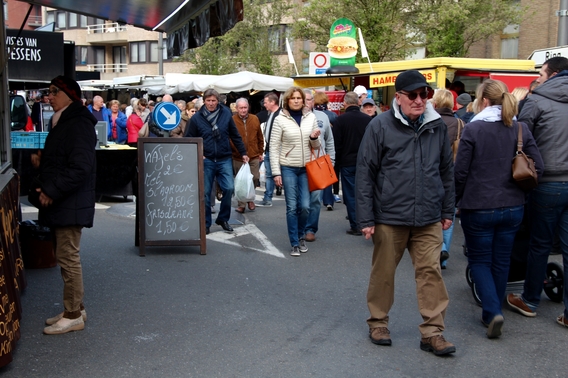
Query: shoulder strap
[460, 128]
[520, 138]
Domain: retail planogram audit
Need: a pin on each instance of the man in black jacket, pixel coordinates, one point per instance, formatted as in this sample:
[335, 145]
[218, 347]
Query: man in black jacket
[67, 169]
[348, 132]
[405, 197]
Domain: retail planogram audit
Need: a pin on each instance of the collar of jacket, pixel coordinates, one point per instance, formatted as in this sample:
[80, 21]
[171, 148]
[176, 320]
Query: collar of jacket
[305, 111]
[428, 116]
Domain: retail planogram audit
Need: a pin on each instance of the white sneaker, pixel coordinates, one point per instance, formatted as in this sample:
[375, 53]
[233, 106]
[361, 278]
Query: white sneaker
[65, 325]
[56, 318]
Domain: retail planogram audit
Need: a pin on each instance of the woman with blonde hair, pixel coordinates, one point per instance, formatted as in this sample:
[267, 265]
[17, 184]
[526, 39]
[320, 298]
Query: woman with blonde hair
[294, 133]
[491, 203]
[118, 125]
[520, 93]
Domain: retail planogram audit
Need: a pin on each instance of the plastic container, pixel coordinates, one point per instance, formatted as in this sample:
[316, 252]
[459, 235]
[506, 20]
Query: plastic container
[22, 139]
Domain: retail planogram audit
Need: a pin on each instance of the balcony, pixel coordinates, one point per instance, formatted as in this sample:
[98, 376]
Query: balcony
[105, 34]
[105, 68]
[34, 21]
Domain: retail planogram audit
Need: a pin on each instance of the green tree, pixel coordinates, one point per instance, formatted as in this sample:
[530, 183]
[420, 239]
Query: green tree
[450, 27]
[394, 28]
[247, 46]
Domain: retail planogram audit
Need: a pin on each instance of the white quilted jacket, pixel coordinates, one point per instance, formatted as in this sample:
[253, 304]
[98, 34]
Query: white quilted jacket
[290, 144]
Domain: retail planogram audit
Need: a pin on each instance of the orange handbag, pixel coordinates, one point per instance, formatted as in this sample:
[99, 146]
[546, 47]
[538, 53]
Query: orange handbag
[320, 172]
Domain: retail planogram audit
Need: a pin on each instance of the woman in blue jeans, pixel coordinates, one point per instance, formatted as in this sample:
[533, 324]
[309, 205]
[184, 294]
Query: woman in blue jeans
[491, 203]
[294, 133]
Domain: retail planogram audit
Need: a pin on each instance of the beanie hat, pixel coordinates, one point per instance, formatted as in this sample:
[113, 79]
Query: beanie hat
[409, 81]
[463, 99]
[69, 86]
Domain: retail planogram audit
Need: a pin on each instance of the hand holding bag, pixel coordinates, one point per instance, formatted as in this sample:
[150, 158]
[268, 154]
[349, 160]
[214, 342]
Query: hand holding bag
[524, 171]
[320, 172]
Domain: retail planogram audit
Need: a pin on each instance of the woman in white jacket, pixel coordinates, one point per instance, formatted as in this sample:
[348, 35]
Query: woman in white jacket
[293, 134]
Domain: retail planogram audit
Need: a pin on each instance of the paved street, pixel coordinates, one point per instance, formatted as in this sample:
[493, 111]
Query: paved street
[249, 309]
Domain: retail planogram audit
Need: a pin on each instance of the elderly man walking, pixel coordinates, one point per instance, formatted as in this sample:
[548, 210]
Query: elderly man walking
[405, 197]
[251, 133]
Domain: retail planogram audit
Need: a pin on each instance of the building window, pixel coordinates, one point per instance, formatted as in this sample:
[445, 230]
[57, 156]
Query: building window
[154, 52]
[81, 54]
[119, 58]
[82, 21]
[277, 35]
[50, 17]
[138, 52]
[72, 20]
[99, 55]
[62, 20]
[510, 42]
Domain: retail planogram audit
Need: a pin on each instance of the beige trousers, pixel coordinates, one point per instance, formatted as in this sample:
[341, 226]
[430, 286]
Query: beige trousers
[67, 246]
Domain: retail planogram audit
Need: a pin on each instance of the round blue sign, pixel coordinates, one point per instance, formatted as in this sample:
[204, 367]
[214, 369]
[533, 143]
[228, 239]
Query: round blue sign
[166, 115]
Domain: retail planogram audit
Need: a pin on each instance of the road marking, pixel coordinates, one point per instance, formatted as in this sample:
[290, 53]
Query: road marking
[247, 229]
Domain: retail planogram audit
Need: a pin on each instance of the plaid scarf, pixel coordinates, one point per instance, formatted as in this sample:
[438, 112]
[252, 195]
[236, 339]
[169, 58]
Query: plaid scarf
[211, 117]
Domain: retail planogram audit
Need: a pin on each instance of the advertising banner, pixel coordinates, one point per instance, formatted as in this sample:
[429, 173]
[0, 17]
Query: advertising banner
[34, 56]
[342, 45]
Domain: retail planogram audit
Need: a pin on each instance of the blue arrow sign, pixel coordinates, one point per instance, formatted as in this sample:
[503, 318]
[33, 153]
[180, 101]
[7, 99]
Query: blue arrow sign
[166, 115]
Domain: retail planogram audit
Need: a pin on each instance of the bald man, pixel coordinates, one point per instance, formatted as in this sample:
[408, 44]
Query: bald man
[102, 114]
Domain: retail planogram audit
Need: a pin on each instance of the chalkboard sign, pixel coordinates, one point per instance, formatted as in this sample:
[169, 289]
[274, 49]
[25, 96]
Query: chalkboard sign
[171, 204]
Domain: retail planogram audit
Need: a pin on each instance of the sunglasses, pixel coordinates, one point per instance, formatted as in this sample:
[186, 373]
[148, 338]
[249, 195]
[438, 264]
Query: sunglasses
[54, 91]
[412, 95]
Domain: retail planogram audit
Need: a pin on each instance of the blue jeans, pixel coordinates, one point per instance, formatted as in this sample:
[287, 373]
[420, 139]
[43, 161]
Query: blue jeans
[489, 235]
[548, 214]
[327, 196]
[269, 180]
[297, 196]
[222, 170]
[348, 188]
[315, 207]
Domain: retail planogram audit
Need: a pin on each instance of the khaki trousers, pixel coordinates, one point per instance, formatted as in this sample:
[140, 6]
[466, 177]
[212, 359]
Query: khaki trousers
[254, 169]
[424, 245]
[67, 246]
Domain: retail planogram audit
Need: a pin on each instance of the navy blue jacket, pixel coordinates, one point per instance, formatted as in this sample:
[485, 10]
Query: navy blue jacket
[68, 169]
[216, 148]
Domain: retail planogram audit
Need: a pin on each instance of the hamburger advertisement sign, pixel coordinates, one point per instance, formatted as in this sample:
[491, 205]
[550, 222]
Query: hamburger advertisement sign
[342, 45]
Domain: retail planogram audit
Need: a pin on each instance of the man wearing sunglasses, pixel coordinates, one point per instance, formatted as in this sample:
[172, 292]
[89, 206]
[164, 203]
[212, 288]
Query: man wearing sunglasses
[405, 197]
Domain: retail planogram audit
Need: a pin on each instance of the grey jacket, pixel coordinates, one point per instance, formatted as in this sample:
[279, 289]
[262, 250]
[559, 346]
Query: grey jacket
[326, 136]
[546, 114]
[405, 177]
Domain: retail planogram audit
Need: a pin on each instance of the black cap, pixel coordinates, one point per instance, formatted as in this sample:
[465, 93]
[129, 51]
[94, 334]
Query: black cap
[409, 81]
[69, 86]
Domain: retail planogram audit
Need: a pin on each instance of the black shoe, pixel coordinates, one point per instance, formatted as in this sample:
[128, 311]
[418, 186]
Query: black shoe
[354, 232]
[207, 231]
[225, 225]
[444, 255]
[278, 190]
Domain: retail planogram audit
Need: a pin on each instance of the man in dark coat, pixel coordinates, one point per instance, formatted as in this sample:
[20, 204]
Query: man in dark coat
[405, 197]
[67, 169]
[214, 123]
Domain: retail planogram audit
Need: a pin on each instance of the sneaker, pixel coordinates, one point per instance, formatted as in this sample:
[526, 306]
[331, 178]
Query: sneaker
[303, 246]
[278, 190]
[265, 203]
[295, 251]
[437, 345]
[380, 336]
[310, 237]
[337, 198]
[444, 255]
[495, 328]
[443, 264]
[56, 318]
[329, 207]
[65, 325]
[561, 319]
[517, 304]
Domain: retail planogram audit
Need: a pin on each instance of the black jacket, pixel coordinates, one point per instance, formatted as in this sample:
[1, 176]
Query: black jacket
[405, 177]
[68, 169]
[348, 131]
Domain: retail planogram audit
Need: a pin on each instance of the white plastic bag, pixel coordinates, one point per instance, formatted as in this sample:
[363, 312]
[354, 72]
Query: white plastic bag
[244, 185]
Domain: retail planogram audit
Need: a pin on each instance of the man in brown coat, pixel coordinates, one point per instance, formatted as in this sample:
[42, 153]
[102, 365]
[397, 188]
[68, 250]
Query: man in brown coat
[251, 133]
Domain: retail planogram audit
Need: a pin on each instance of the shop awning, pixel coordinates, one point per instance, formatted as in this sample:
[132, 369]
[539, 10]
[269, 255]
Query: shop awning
[188, 23]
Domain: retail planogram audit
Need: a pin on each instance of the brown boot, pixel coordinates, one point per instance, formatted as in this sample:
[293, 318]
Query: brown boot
[380, 336]
[437, 345]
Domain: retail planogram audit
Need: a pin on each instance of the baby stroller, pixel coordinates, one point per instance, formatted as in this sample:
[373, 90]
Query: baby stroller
[553, 282]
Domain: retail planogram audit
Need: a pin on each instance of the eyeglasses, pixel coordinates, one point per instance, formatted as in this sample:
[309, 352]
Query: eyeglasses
[54, 91]
[412, 95]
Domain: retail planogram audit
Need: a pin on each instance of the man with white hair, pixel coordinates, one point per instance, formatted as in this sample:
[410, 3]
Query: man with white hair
[130, 108]
[251, 133]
